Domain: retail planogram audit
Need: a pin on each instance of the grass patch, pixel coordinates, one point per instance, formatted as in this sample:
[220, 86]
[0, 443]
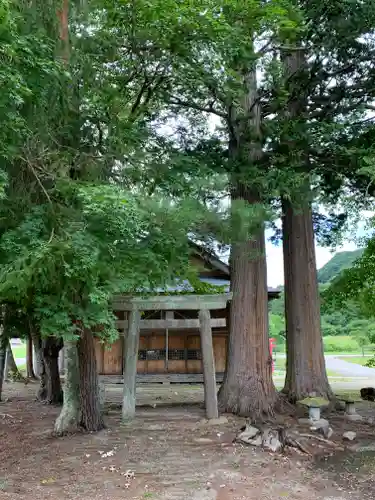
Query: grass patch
[19, 351]
[358, 360]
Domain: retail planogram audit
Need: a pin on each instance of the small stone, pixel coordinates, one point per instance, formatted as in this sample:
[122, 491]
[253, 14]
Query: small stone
[350, 435]
[271, 440]
[354, 418]
[318, 424]
[328, 433]
[304, 421]
[248, 435]
[203, 440]
[217, 421]
[256, 441]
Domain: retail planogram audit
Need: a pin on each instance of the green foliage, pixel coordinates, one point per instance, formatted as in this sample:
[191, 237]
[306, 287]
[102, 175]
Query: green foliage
[98, 241]
[340, 344]
[338, 263]
[355, 284]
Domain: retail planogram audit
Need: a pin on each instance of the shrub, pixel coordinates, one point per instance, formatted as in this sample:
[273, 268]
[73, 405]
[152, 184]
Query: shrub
[340, 343]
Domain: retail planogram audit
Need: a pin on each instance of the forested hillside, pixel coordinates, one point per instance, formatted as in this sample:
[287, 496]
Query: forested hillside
[338, 263]
[345, 330]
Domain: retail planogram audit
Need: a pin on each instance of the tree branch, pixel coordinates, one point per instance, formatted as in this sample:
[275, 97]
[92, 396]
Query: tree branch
[175, 101]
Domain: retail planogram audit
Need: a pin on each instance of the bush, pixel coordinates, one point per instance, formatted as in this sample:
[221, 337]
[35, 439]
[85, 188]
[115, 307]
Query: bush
[340, 343]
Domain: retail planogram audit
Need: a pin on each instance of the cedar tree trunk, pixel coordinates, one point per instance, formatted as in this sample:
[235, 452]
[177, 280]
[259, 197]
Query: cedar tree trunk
[51, 347]
[11, 370]
[29, 358]
[2, 361]
[91, 416]
[40, 368]
[306, 372]
[68, 420]
[248, 388]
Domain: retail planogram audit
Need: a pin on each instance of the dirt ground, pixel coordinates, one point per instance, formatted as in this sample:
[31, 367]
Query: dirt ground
[167, 453]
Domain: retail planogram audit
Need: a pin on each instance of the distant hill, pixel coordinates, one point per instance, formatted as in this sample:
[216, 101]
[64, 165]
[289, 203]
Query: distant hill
[338, 263]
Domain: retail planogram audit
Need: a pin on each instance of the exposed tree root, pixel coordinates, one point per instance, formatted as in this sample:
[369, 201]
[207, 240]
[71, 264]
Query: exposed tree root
[276, 439]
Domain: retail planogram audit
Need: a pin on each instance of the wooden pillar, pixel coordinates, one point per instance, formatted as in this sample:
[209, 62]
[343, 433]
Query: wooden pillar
[131, 343]
[208, 361]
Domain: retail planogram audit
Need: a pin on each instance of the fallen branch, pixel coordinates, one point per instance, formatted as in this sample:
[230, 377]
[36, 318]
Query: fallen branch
[294, 443]
[6, 415]
[318, 438]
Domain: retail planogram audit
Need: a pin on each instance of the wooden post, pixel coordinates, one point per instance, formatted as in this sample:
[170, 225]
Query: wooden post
[130, 365]
[208, 362]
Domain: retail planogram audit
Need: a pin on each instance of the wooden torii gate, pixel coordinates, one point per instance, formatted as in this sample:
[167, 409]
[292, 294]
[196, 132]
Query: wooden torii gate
[134, 307]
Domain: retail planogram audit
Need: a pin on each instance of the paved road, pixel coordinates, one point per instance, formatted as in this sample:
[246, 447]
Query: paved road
[349, 369]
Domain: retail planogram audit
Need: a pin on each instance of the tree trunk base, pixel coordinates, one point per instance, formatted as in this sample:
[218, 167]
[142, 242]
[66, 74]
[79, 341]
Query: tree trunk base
[294, 394]
[249, 398]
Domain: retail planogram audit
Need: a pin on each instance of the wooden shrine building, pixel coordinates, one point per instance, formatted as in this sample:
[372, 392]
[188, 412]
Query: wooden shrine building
[169, 348]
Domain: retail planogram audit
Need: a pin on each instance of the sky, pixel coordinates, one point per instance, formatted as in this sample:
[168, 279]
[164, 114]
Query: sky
[275, 270]
[275, 266]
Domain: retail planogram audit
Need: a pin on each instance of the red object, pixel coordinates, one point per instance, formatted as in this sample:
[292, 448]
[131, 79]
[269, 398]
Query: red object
[272, 344]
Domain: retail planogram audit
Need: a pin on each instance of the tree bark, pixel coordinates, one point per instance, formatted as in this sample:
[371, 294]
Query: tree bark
[2, 360]
[40, 367]
[11, 370]
[47, 353]
[68, 420]
[248, 388]
[306, 372]
[38, 354]
[91, 417]
[51, 347]
[29, 358]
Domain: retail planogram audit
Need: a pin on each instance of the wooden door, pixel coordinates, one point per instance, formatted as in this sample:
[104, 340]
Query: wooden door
[176, 353]
[194, 354]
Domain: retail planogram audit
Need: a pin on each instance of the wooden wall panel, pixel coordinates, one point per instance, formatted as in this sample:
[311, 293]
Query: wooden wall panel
[156, 342]
[99, 354]
[194, 365]
[113, 358]
[142, 364]
[220, 352]
[176, 341]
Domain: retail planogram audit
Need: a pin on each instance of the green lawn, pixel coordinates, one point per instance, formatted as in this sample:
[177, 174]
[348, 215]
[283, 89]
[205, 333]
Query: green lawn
[19, 351]
[358, 360]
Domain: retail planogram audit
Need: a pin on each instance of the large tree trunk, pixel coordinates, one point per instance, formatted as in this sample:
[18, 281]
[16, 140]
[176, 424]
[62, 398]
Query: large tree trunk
[2, 360]
[11, 370]
[91, 415]
[51, 347]
[306, 371]
[47, 353]
[29, 358]
[68, 420]
[248, 388]
[40, 368]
